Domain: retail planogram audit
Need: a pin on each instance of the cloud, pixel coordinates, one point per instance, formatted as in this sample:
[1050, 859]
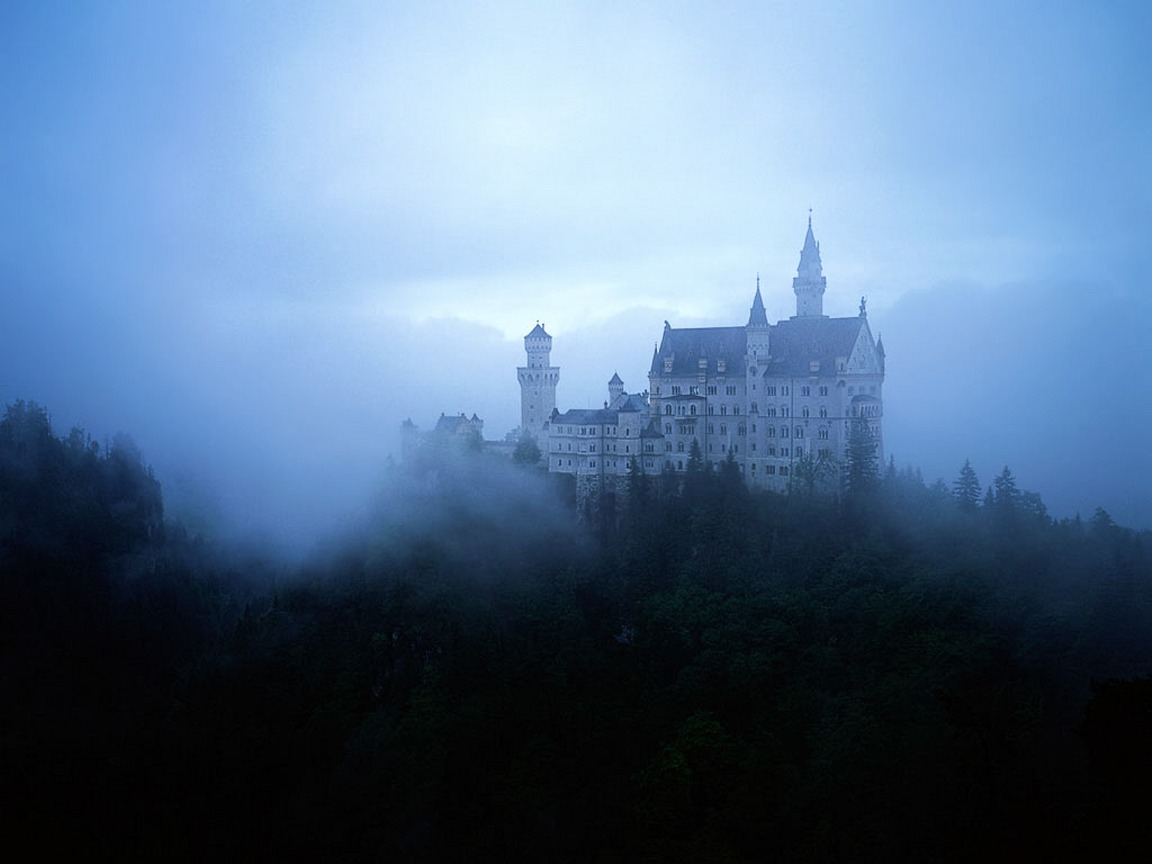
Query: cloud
[258, 238]
[1039, 377]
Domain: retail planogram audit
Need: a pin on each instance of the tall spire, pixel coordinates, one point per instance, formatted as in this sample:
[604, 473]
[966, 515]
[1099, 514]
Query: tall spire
[809, 283]
[810, 267]
[757, 317]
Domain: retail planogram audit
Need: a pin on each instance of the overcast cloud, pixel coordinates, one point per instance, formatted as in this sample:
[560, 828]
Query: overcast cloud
[258, 237]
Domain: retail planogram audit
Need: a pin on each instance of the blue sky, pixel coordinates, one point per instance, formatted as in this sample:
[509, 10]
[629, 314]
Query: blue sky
[261, 234]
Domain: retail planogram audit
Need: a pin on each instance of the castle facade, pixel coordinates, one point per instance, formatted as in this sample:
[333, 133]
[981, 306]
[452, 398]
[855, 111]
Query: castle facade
[778, 399]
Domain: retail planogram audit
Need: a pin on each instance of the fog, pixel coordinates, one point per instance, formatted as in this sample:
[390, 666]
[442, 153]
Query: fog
[259, 241]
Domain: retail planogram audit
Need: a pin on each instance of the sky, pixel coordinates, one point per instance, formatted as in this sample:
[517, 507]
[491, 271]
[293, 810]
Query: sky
[259, 236]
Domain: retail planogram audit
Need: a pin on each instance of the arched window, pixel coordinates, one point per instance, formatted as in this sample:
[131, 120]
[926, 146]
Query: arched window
[668, 409]
[692, 410]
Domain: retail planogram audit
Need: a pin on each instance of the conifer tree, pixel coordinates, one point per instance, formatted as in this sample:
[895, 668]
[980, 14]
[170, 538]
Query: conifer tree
[695, 457]
[862, 470]
[527, 451]
[966, 489]
[1006, 494]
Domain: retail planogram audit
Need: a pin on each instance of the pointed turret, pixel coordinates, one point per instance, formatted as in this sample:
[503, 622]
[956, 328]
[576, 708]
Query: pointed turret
[757, 317]
[758, 331]
[809, 283]
[615, 388]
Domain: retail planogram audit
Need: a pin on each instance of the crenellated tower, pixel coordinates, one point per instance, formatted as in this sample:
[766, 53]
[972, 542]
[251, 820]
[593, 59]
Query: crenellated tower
[538, 380]
[810, 282]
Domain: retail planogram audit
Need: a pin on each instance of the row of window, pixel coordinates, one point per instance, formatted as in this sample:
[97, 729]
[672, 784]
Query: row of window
[768, 469]
[770, 411]
[731, 390]
[608, 448]
[596, 431]
[741, 429]
[769, 389]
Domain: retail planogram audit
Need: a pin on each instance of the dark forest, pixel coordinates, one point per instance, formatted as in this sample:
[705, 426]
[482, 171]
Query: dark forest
[897, 671]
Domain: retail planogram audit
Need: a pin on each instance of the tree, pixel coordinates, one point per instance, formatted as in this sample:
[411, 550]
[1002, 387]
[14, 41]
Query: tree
[527, 451]
[1005, 492]
[811, 472]
[695, 458]
[966, 489]
[861, 470]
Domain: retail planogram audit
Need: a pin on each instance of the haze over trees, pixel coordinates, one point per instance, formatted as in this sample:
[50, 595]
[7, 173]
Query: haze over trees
[895, 671]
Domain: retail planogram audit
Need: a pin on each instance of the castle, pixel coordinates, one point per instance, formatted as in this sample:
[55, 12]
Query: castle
[778, 399]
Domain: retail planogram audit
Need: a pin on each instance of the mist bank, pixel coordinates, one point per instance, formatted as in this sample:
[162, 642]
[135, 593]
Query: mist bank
[1040, 377]
[279, 421]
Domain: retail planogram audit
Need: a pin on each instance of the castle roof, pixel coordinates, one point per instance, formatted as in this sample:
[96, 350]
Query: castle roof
[538, 330]
[587, 416]
[757, 317]
[456, 423]
[795, 344]
[616, 379]
[628, 403]
[687, 346]
[810, 266]
[798, 342]
[652, 430]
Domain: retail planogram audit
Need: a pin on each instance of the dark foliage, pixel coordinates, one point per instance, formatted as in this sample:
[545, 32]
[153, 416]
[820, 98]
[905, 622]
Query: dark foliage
[904, 674]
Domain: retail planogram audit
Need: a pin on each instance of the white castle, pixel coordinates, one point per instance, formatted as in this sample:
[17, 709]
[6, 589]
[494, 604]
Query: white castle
[776, 398]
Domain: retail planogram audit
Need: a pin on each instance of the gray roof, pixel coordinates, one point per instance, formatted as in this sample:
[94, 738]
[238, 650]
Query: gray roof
[455, 423]
[631, 402]
[587, 416]
[757, 317]
[628, 403]
[794, 343]
[652, 430]
[686, 346]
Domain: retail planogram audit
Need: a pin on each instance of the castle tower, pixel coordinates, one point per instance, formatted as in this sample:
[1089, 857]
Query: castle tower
[810, 282]
[538, 382]
[615, 388]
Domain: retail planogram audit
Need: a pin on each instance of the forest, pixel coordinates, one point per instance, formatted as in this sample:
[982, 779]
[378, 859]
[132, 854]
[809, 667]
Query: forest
[892, 671]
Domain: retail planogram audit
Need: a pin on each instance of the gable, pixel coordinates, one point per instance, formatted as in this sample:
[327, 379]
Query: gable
[863, 358]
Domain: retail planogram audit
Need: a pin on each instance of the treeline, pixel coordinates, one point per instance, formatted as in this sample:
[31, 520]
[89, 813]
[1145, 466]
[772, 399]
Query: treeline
[899, 672]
